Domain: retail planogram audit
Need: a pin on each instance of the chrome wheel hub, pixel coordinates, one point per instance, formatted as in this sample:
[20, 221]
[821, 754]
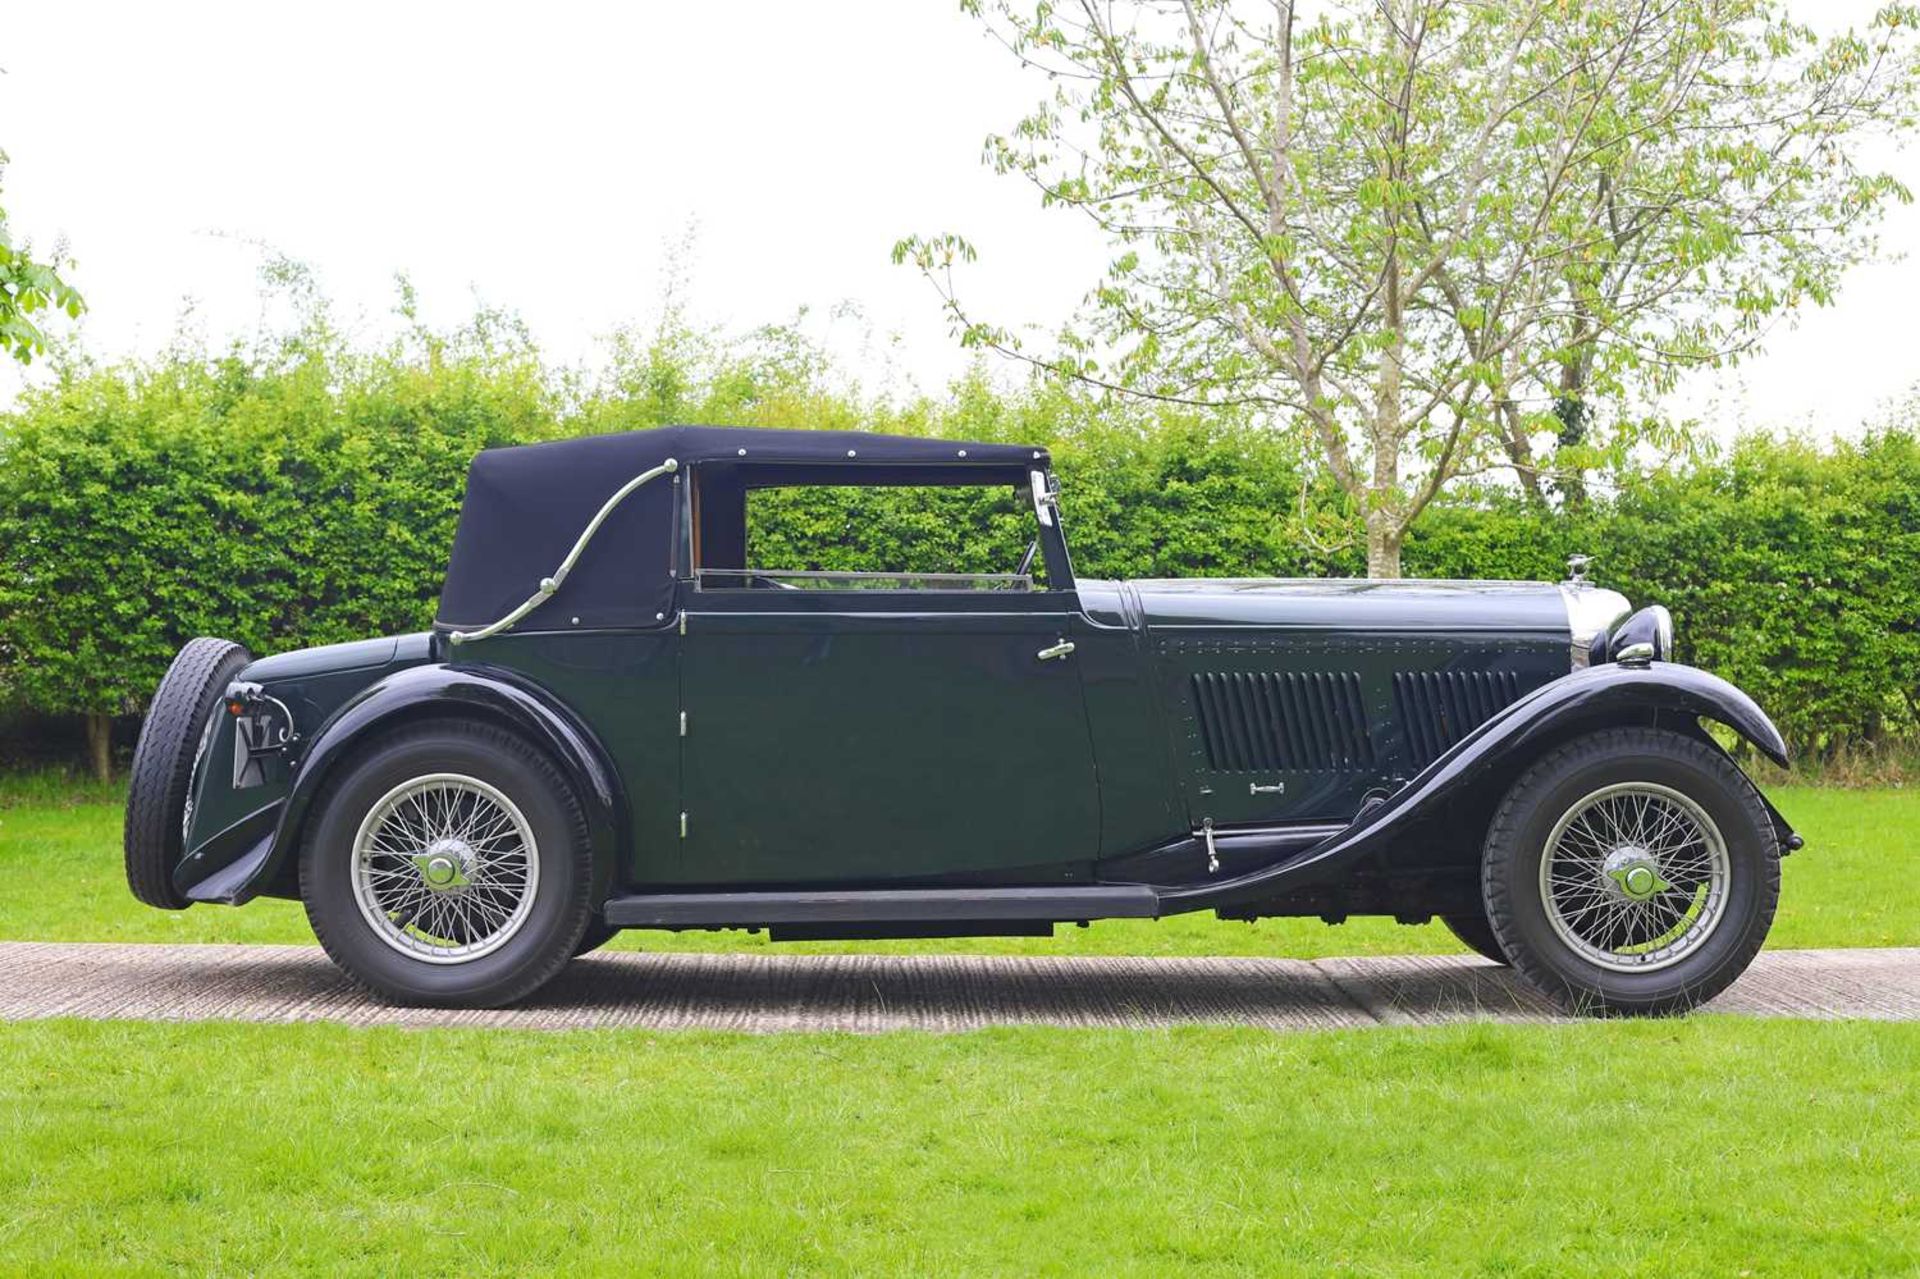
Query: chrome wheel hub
[1633, 873]
[1635, 877]
[445, 865]
[445, 868]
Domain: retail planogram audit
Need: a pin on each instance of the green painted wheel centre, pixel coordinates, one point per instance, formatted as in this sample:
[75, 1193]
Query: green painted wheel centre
[1634, 873]
[443, 866]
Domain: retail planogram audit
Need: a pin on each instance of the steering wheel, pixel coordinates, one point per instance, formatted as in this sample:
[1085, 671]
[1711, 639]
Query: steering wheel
[1026, 561]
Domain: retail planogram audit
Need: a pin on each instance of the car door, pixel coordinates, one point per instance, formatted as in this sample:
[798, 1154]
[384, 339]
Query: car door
[869, 735]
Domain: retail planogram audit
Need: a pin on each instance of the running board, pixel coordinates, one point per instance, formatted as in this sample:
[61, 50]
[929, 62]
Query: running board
[881, 905]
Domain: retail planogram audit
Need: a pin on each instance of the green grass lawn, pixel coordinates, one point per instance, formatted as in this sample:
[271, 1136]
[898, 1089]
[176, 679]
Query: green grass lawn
[1708, 1145]
[1854, 885]
[1650, 1148]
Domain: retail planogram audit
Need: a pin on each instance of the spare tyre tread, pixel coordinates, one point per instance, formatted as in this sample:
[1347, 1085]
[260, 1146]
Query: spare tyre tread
[163, 766]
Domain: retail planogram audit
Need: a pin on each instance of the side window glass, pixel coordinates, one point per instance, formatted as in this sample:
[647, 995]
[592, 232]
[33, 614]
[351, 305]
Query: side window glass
[887, 537]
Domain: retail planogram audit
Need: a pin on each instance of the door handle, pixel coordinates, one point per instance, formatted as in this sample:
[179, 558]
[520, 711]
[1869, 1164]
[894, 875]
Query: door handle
[1052, 651]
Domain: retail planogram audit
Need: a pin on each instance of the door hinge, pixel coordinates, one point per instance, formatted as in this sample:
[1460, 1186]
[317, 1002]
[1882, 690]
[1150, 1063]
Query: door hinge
[683, 723]
[1206, 831]
[683, 621]
[683, 826]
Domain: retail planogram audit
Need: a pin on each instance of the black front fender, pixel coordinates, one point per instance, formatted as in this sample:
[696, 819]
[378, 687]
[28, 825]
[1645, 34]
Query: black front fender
[1606, 692]
[1599, 697]
[488, 694]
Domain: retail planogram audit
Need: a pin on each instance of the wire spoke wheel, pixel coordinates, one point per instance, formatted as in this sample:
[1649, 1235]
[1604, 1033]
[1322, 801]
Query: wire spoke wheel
[1635, 877]
[445, 868]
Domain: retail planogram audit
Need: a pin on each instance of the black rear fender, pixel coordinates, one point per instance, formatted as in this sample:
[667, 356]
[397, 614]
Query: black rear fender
[476, 693]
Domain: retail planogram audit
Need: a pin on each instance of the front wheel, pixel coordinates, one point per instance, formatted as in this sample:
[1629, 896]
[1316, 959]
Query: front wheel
[449, 866]
[1631, 871]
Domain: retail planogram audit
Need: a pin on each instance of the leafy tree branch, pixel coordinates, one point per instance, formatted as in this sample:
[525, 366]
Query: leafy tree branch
[1438, 237]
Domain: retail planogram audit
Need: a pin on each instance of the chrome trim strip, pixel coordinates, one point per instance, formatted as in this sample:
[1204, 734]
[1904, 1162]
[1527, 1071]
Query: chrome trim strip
[721, 578]
[548, 585]
[1044, 498]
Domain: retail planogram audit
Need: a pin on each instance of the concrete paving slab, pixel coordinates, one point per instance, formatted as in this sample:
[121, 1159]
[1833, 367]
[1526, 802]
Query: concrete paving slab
[762, 992]
[1416, 989]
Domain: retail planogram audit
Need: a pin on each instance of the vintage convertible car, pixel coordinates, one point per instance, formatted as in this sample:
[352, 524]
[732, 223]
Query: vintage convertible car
[623, 719]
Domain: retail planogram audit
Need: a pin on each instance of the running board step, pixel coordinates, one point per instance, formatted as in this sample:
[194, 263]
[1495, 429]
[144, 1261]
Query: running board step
[843, 906]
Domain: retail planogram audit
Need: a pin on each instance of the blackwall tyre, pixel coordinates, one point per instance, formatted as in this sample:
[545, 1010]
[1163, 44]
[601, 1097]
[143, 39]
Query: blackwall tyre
[1631, 871]
[178, 725]
[597, 935]
[1476, 934]
[448, 866]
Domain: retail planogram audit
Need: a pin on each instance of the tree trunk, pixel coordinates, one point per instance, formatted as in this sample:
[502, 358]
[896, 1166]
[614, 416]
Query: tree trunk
[1572, 412]
[1514, 439]
[1383, 545]
[100, 745]
[1570, 407]
[1383, 529]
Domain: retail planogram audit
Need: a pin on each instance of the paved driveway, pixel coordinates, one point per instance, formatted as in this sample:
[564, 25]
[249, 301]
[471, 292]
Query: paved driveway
[773, 992]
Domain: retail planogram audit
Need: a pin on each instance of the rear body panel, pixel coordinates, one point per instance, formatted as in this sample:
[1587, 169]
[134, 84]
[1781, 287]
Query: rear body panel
[623, 688]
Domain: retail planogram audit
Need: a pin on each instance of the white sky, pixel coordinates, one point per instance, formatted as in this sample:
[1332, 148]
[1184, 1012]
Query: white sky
[544, 158]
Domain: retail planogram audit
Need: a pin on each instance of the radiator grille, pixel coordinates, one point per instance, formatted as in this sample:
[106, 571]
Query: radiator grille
[1261, 721]
[1438, 708]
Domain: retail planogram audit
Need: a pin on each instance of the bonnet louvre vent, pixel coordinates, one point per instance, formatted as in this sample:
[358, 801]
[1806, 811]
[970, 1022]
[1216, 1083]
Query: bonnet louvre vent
[1260, 721]
[1441, 707]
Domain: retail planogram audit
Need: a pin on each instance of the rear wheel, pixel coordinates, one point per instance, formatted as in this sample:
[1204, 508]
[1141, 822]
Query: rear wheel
[1631, 871]
[449, 866]
[174, 736]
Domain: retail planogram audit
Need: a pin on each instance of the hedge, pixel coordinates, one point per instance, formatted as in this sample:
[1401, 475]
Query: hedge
[309, 496]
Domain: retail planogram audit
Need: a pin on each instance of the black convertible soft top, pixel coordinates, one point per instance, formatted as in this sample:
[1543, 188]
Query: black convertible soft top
[525, 508]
